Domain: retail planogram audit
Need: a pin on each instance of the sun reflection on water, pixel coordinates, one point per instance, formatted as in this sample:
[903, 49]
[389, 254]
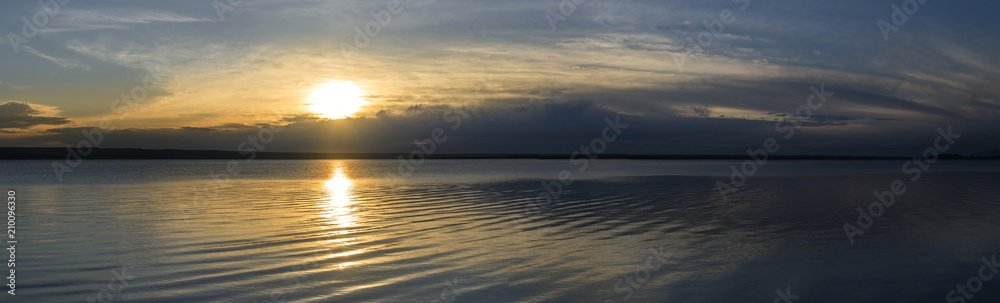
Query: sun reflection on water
[339, 209]
[338, 203]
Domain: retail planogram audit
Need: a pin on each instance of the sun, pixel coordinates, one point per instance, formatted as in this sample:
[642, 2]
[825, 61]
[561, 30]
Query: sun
[336, 99]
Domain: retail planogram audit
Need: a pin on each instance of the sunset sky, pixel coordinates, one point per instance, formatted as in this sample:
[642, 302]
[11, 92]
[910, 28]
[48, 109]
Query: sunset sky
[211, 81]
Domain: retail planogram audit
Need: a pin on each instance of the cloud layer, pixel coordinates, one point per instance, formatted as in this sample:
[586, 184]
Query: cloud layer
[17, 115]
[722, 71]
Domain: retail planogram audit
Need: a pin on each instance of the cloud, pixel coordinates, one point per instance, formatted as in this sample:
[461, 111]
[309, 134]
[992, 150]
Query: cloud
[702, 111]
[549, 127]
[58, 61]
[619, 54]
[72, 20]
[17, 115]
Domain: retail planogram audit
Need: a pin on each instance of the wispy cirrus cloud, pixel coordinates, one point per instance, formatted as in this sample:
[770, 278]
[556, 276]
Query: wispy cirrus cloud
[74, 20]
[58, 61]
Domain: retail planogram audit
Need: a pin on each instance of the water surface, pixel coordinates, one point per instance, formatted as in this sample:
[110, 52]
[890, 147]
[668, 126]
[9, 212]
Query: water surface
[457, 231]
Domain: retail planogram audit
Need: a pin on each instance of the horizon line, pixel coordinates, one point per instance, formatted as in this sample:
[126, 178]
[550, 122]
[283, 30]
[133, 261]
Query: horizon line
[41, 153]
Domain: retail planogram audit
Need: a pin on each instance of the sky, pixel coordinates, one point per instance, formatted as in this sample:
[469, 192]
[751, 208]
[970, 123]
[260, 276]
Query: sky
[687, 77]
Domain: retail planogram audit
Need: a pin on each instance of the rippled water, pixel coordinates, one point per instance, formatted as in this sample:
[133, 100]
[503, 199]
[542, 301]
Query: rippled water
[458, 231]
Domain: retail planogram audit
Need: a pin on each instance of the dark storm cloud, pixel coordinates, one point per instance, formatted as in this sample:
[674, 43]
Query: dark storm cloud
[17, 115]
[557, 128]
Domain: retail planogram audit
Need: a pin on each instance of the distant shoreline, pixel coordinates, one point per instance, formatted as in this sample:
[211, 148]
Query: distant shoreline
[47, 153]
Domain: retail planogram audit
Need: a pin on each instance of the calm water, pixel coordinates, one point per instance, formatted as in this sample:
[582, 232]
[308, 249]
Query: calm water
[457, 231]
